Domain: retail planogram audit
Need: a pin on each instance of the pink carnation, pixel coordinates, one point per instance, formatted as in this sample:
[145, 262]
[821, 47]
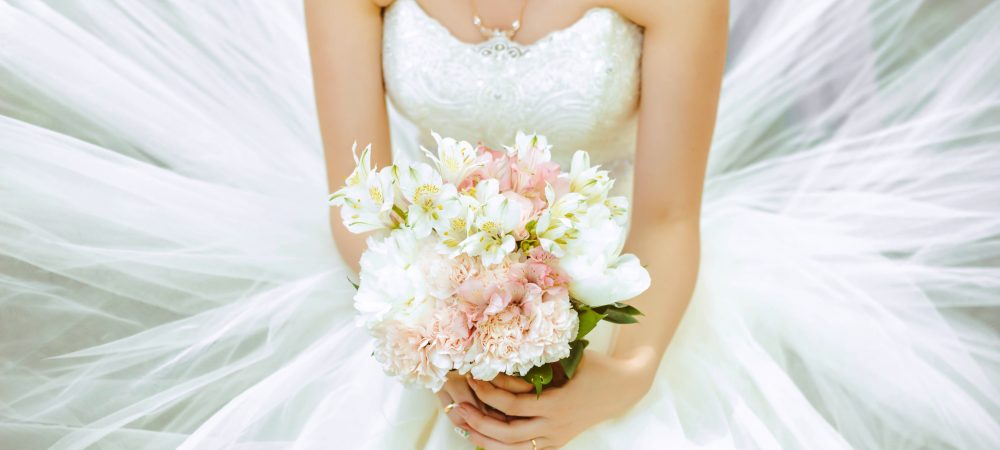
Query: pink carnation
[542, 268]
[421, 350]
[451, 333]
[534, 328]
[497, 343]
[485, 291]
[405, 351]
[553, 324]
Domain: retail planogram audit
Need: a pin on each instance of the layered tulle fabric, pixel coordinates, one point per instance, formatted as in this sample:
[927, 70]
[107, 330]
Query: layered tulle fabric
[167, 278]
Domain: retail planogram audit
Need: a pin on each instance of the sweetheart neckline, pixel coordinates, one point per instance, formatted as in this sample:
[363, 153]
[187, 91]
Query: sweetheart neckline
[548, 37]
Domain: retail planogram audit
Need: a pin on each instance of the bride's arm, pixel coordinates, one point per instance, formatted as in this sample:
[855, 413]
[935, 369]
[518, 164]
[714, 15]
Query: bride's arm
[682, 63]
[345, 47]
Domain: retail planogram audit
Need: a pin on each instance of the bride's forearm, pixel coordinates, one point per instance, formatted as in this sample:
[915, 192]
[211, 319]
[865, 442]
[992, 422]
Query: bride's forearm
[670, 250]
[349, 245]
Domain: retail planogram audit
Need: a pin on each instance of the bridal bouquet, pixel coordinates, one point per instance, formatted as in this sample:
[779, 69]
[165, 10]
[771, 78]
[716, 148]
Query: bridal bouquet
[489, 261]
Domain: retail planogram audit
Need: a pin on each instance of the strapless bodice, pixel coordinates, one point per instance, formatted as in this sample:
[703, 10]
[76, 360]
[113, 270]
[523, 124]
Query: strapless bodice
[579, 86]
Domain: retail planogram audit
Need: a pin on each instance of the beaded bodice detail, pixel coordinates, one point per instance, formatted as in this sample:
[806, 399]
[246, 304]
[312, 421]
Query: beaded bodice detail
[579, 86]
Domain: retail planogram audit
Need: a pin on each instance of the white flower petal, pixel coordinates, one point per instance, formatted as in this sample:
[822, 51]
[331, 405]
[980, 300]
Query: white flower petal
[623, 279]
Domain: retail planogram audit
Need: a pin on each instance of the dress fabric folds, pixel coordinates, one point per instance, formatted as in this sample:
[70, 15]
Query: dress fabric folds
[168, 279]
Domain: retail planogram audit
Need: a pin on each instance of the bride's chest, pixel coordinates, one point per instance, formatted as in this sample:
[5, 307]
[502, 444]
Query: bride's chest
[575, 81]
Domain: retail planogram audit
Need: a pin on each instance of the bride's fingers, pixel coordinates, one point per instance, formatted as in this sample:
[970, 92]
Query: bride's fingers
[501, 431]
[522, 405]
[516, 385]
[488, 443]
[492, 412]
[486, 409]
[446, 400]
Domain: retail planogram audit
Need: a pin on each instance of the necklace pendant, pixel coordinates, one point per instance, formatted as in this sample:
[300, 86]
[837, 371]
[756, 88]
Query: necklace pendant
[492, 32]
[500, 47]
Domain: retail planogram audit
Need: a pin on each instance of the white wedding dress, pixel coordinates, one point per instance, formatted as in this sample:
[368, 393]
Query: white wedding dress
[167, 278]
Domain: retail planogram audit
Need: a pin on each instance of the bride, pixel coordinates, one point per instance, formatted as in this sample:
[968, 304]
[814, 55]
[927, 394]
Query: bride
[578, 85]
[813, 185]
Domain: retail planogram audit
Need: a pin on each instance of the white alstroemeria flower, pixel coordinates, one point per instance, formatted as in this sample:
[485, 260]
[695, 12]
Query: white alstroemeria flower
[533, 148]
[618, 206]
[587, 180]
[599, 274]
[568, 206]
[455, 160]
[366, 199]
[433, 203]
[554, 226]
[552, 233]
[483, 191]
[459, 226]
[492, 241]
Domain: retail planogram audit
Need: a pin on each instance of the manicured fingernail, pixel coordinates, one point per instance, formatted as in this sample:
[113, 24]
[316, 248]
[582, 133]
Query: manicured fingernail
[462, 432]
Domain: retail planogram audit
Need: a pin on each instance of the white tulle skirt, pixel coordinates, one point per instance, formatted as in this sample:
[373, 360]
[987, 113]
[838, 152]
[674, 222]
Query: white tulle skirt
[167, 278]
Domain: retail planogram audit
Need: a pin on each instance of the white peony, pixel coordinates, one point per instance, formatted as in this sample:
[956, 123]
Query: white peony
[399, 273]
[599, 274]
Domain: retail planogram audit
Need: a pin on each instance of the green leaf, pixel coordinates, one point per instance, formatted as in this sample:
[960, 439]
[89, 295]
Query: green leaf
[588, 320]
[539, 376]
[627, 309]
[617, 316]
[356, 285]
[570, 362]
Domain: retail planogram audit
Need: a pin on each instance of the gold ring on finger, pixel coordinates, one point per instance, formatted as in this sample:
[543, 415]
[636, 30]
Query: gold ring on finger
[449, 407]
[534, 445]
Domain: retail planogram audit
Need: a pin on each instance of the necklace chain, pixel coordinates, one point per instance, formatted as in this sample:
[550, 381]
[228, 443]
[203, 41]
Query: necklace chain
[490, 32]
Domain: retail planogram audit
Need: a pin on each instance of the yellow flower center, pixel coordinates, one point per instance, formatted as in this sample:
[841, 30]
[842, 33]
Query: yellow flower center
[376, 194]
[424, 195]
[490, 227]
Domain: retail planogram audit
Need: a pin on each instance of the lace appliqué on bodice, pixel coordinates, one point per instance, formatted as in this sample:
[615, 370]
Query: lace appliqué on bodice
[579, 85]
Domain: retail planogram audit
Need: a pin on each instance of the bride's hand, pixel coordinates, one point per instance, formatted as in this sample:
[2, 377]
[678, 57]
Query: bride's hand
[457, 391]
[602, 388]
